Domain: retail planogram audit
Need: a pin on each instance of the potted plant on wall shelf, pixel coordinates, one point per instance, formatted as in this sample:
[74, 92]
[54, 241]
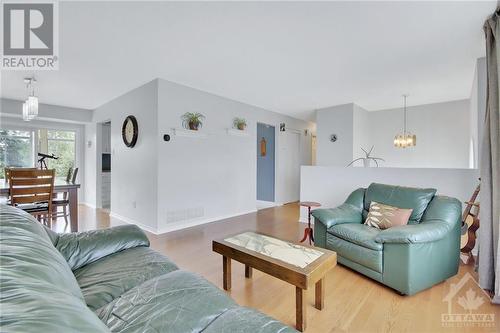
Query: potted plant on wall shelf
[239, 123]
[192, 120]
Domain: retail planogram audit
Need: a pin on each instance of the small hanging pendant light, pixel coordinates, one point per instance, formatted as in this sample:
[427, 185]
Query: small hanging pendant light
[30, 106]
[405, 139]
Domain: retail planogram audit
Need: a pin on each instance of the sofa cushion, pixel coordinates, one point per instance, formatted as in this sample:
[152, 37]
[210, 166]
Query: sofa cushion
[360, 234]
[28, 251]
[38, 292]
[402, 197]
[82, 248]
[175, 302]
[383, 216]
[243, 320]
[364, 256]
[104, 280]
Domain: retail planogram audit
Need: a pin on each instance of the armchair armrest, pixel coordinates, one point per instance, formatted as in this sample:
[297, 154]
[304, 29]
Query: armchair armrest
[82, 248]
[414, 233]
[443, 214]
[345, 213]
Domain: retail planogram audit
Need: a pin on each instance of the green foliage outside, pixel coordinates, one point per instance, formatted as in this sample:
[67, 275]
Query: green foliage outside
[16, 150]
[65, 150]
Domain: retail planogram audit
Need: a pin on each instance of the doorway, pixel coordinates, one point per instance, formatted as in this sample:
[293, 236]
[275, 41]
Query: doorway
[265, 165]
[103, 175]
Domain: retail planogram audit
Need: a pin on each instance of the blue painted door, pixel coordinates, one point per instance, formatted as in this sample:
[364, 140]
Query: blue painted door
[265, 164]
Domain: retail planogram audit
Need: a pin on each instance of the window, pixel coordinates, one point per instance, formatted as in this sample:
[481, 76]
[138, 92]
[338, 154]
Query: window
[16, 149]
[19, 147]
[62, 145]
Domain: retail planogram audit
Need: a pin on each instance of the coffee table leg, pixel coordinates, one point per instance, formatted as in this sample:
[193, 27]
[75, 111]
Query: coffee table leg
[319, 302]
[300, 309]
[226, 269]
[248, 271]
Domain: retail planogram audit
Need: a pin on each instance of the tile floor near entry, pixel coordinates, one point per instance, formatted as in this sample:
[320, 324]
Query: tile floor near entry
[353, 302]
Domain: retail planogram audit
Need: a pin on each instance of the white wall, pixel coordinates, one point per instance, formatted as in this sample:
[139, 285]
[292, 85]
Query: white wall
[442, 129]
[334, 120]
[330, 186]
[361, 134]
[443, 135]
[207, 178]
[473, 121]
[188, 180]
[134, 178]
[90, 170]
[478, 106]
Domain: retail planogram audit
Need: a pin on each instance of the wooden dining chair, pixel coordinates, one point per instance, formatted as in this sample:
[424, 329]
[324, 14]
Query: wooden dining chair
[64, 201]
[31, 190]
[6, 171]
[6, 200]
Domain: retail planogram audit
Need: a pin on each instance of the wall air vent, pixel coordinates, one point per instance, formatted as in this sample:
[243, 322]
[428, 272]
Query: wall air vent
[184, 214]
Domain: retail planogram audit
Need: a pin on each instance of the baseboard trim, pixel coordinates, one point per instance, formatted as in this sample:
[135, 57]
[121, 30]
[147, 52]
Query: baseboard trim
[260, 204]
[87, 204]
[132, 221]
[177, 226]
[194, 223]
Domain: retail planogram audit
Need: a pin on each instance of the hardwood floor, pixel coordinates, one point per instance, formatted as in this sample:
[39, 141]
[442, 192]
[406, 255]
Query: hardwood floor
[353, 302]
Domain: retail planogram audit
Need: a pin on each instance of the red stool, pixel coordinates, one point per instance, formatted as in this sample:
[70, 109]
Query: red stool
[308, 232]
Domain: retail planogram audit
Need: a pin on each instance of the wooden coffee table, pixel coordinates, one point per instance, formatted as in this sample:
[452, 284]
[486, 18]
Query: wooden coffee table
[296, 264]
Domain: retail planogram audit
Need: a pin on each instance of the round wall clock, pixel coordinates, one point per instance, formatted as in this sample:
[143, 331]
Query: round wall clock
[130, 130]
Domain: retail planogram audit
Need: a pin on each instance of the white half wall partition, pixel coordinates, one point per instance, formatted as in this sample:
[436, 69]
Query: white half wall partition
[330, 186]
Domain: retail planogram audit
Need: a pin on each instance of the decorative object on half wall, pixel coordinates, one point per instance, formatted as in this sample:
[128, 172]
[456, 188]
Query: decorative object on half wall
[367, 159]
[130, 131]
[333, 137]
[282, 127]
[263, 148]
[239, 123]
[405, 139]
[192, 120]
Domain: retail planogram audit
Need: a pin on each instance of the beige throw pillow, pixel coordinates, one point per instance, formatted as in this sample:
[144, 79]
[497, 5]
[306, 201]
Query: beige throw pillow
[384, 216]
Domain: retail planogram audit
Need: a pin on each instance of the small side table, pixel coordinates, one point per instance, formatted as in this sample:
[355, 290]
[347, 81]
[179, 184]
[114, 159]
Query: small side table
[308, 232]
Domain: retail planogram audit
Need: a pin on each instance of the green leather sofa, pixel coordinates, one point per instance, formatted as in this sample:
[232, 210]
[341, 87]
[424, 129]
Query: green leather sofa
[406, 258]
[106, 281]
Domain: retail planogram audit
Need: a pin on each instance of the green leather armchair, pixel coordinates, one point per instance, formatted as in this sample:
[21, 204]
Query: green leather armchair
[406, 258]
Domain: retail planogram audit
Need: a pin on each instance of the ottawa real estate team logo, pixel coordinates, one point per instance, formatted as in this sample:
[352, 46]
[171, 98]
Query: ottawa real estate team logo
[467, 305]
[30, 33]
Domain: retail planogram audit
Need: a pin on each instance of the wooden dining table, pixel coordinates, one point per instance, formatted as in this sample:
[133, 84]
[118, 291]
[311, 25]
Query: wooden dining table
[60, 186]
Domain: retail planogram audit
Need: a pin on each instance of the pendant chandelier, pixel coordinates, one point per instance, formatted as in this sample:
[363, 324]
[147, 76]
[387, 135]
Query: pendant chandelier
[405, 139]
[30, 106]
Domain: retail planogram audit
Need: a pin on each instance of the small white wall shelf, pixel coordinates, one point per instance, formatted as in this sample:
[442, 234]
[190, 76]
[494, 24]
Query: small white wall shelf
[188, 133]
[236, 132]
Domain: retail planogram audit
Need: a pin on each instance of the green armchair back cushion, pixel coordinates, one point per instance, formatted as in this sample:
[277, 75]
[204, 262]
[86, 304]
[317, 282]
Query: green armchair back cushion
[401, 197]
[106, 281]
[407, 258]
